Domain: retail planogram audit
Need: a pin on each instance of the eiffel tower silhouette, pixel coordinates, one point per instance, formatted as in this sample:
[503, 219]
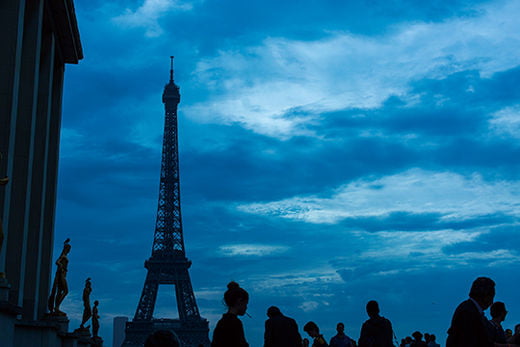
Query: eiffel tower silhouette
[168, 263]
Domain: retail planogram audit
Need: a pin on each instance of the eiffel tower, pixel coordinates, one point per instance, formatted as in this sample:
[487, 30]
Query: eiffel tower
[168, 263]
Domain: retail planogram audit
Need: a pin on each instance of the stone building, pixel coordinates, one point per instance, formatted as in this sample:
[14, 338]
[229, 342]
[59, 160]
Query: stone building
[38, 38]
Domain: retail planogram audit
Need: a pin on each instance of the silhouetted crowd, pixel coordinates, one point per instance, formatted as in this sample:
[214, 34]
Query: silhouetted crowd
[469, 326]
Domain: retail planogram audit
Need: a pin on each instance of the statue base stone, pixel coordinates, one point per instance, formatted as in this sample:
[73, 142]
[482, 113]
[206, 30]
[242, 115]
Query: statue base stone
[59, 320]
[83, 332]
[8, 314]
[96, 341]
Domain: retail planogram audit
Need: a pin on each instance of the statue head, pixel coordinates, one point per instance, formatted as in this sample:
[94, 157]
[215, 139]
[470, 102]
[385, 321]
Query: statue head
[66, 247]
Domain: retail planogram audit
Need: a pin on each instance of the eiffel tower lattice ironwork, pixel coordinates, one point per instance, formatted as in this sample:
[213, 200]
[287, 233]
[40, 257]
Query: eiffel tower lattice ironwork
[168, 263]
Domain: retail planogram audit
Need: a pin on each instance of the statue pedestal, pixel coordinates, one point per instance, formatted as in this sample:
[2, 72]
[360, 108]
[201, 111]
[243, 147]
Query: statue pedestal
[59, 320]
[83, 335]
[8, 314]
[96, 341]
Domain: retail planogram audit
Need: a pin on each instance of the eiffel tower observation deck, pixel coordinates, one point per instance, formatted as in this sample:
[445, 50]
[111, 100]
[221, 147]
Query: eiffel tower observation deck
[168, 264]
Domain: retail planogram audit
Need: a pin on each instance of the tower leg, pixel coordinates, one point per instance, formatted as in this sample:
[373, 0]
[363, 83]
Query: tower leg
[147, 302]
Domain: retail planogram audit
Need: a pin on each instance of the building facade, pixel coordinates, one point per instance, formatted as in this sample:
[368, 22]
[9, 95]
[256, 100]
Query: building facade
[38, 38]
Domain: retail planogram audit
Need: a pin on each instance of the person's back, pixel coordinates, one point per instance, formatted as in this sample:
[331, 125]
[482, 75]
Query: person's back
[281, 331]
[376, 331]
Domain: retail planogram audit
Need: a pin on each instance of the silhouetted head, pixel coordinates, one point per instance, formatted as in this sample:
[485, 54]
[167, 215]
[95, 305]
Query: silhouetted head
[432, 337]
[483, 291]
[498, 310]
[161, 338]
[96, 303]
[517, 329]
[273, 311]
[417, 335]
[372, 308]
[340, 328]
[312, 329]
[427, 337]
[236, 298]
[508, 333]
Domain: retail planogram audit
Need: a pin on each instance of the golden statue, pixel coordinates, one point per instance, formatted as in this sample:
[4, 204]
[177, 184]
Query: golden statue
[60, 288]
[87, 311]
[95, 319]
[3, 182]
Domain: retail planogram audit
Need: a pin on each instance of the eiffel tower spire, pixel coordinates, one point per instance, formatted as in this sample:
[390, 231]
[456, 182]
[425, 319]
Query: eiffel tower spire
[168, 263]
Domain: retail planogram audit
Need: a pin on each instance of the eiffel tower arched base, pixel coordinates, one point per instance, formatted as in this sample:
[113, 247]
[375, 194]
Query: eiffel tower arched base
[191, 333]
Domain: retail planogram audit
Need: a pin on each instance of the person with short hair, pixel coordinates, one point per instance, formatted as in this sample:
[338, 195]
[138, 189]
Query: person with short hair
[313, 330]
[341, 339]
[229, 331]
[515, 339]
[418, 341]
[281, 331]
[498, 315]
[377, 330]
[432, 342]
[469, 326]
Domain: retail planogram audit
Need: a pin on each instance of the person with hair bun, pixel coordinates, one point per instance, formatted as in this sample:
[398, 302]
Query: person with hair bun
[229, 331]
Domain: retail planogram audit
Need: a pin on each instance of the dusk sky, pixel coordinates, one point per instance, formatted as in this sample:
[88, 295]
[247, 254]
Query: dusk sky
[331, 152]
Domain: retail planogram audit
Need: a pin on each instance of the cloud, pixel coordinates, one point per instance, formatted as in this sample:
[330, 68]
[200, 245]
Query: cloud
[414, 191]
[148, 14]
[506, 122]
[278, 87]
[251, 250]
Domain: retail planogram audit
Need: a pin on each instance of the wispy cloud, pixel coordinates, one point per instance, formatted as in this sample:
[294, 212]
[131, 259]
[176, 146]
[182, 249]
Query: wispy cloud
[506, 122]
[414, 191]
[148, 14]
[276, 88]
[255, 250]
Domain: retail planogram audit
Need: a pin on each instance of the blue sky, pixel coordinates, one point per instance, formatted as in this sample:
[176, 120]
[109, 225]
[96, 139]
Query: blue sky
[332, 152]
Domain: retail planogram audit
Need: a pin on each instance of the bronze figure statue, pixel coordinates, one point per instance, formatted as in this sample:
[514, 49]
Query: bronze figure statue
[87, 311]
[95, 319]
[60, 288]
[3, 182]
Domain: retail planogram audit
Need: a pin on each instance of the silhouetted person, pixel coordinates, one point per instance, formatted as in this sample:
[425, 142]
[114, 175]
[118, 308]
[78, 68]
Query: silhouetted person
[341, 340]
[280, 331]
[376, 331]
[509, 334]
[161, 338]
[432, 342]
[314, 331]
[469, 326]
[515, 339]
[498, 315]
[229, 331]
[418, 341]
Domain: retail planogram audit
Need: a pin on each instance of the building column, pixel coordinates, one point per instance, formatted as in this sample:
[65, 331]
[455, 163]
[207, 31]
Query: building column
[33, 271]
[11, 34]
[22, 153]
[51, 184]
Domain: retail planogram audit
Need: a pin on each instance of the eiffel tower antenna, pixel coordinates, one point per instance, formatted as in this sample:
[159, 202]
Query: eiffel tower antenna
[171, 68]
[168, 263]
